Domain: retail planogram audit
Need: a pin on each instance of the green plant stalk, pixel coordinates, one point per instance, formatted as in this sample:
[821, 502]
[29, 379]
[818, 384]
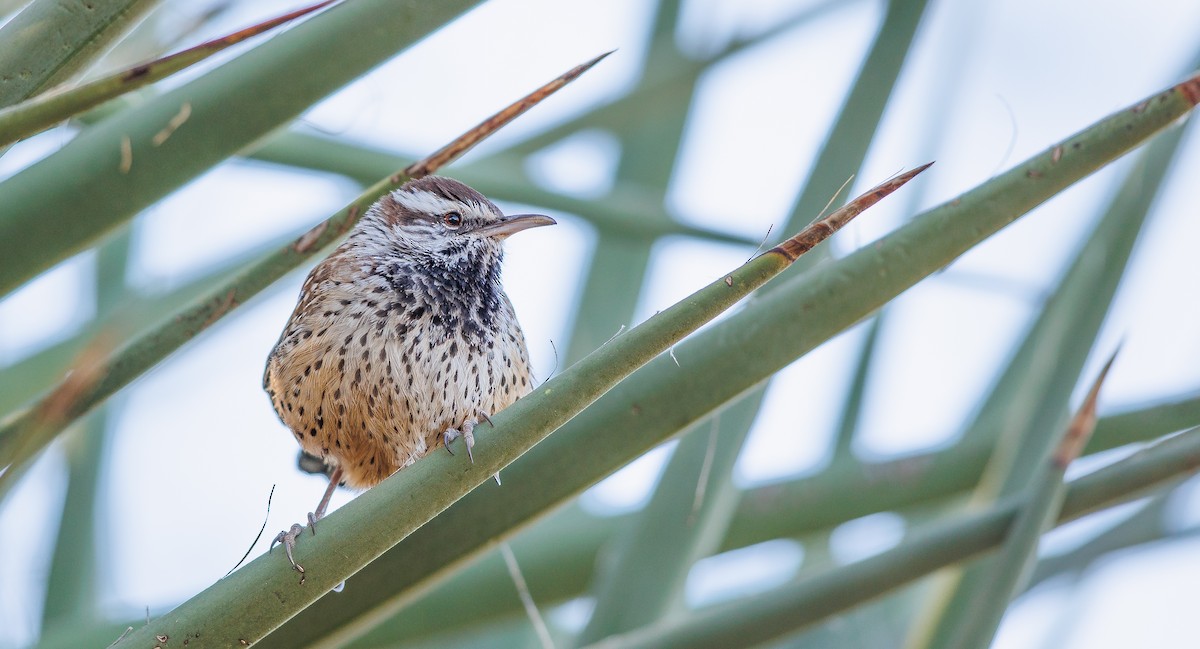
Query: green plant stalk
[668, 556]
[672, 532]
[931, 137]
[1010, 570]
[564, 533]
[1135, 196]
[134, 158]
[39, 113]
[1151, 523]
[685, 520]
[514, 632]
[558, 554]
[71, 585]
[255, 600]
[24, 434]
[737, 354]
[800, 506]
[844, 149]
[754, 620]
[1030, 401]
[51, 40]
[605, 302]
[32, 376]
[648, 150]
[71, 591]
[549, 558]
[856, 395]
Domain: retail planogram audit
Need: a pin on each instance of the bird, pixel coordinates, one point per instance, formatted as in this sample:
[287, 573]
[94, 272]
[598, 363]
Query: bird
[402, 339]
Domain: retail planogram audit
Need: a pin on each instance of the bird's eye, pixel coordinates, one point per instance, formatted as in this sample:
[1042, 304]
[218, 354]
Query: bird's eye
[452, 220]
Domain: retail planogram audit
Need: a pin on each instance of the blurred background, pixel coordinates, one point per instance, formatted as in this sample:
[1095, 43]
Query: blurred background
[179, 466]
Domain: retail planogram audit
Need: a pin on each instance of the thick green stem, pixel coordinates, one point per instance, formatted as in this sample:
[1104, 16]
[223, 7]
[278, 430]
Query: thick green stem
[52, 40]
[753, 620]
[130, 160]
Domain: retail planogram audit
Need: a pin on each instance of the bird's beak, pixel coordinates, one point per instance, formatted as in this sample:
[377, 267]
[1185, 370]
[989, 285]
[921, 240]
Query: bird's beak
[511, 225]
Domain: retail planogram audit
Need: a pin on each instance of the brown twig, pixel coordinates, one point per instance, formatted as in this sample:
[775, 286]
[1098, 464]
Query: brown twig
[1079, 431]
[218, 44]
[822, 229]
[464, 142]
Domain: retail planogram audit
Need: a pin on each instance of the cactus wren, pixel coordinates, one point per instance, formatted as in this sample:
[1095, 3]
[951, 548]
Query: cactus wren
[402, 338]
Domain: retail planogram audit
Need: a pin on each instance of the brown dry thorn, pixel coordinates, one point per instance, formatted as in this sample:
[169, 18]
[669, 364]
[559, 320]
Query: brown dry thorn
[818, 231]
[88, 369]
[217, 44]
[162, 638]
[138, 71]
[1033, 173]
[1056, 154]
[1190, 89]
[729, 280]
[306, 241]
[185, 111]
[1081, 426]
[224, 307]
[466, 141]
[351, 217]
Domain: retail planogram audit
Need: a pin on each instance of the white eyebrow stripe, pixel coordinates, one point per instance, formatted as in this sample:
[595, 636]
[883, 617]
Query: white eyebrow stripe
[423, 201]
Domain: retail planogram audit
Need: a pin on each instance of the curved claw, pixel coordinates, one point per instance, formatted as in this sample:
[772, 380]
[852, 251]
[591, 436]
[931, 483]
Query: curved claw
[288, 539]
[467, 436]
[448, 438]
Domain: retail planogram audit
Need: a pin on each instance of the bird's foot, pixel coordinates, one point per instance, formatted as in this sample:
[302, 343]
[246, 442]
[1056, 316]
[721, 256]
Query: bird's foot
[466, 432]
[288, 539]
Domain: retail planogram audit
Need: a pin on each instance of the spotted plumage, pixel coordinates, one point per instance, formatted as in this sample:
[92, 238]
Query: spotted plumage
[402, 334]
[403, 337]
